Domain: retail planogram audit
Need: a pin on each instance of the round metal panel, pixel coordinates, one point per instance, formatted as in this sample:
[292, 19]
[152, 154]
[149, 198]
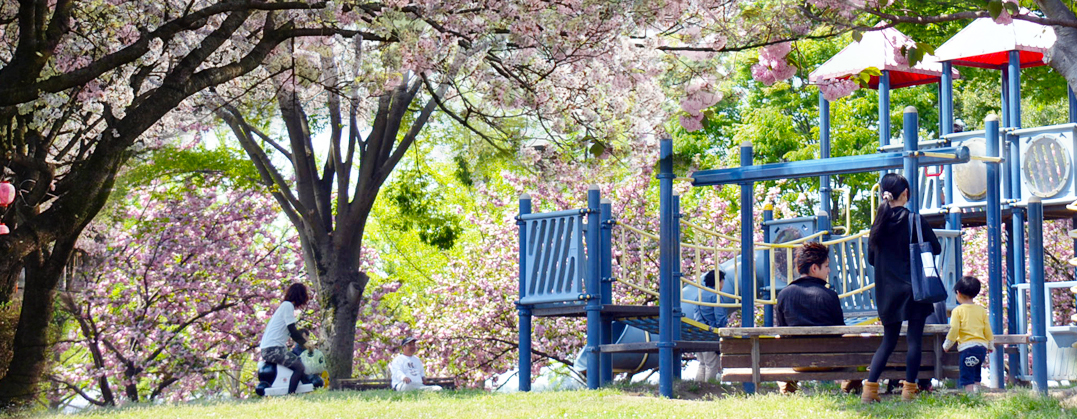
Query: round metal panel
[1046, 165]
[971, 178]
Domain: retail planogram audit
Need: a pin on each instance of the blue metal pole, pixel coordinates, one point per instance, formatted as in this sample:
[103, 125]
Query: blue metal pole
[1005, 96]
[747, 250]
[824, 152]
[994, 245]
[1018, 238]
[831, 166]
[946, 100]
[605, 359]
[665, 270]
[822, 223]
[525, 310]
[1014, 73]
[768, 310]
[946, 126]
[676, 288]
[1036, 288]
[911, 136]
[594, 287]
[884, 109]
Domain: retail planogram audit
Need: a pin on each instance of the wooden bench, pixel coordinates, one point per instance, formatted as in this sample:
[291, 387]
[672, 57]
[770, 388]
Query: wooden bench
[758, 354]
[362, 384]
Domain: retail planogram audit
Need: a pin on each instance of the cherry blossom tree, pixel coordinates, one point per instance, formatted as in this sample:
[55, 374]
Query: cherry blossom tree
[174, 292]
[83, 85]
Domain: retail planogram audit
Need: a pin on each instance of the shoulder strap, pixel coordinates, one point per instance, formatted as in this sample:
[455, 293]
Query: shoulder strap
[914, 223]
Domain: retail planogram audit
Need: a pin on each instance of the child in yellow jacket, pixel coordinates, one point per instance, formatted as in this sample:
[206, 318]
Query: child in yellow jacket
[970, 331]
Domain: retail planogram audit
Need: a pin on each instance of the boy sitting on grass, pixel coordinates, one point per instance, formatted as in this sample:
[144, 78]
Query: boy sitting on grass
[969, 330]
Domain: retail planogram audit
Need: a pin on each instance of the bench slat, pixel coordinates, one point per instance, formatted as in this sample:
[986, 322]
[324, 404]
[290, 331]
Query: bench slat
[787, 374]
[930, 329]
[859, 359]
[797, 345]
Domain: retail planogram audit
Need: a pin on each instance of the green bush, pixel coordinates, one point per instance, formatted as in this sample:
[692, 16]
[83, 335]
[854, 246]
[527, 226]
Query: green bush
[9, 320]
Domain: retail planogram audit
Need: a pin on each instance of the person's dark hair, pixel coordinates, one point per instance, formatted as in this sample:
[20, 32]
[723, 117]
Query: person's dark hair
[297, 294]
[708, 279]
[811, 253]
[891, 186]
[968, 286]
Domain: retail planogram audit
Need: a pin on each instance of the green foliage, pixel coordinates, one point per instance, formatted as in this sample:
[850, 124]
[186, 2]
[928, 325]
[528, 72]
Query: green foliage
[417, 196]
[197, 164]
[9, 320]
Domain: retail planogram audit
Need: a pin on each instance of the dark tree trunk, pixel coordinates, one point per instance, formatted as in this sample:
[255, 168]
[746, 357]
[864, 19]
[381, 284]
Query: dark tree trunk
[31, 344]
[1063, 56]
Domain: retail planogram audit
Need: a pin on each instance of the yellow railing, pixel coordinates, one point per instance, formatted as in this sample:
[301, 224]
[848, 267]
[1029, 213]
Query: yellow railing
[848, 279]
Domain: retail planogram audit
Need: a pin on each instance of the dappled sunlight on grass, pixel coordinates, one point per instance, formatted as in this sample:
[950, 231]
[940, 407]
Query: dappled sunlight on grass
[637, 402]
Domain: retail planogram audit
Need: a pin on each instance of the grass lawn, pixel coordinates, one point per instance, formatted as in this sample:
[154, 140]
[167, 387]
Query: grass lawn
[818, 401]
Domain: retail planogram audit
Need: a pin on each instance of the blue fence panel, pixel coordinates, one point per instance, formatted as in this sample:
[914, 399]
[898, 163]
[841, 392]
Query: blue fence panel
[555, 258]
[847, 276]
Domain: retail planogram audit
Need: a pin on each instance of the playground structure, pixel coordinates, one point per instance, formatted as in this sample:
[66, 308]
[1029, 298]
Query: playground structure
[558, 278]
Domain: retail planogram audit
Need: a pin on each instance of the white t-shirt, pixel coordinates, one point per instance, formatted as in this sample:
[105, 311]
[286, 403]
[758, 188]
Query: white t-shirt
[276, 333]
[406, 366]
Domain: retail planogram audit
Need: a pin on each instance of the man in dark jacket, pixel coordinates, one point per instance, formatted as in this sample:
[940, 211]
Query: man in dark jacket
[807, 301]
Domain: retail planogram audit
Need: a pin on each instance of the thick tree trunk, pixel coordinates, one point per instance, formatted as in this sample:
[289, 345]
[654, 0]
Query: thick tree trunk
[339, 318]
[31, 343]
[9, 281]
[1063, 56]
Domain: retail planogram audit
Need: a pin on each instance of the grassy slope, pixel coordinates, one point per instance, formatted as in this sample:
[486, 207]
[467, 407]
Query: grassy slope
[595, 404]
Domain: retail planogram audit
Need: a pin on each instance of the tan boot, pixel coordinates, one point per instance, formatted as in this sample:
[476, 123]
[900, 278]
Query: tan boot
[871, 392]
[908, 391]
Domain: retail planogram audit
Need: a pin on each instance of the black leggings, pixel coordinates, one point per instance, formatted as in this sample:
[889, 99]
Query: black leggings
[891, 332]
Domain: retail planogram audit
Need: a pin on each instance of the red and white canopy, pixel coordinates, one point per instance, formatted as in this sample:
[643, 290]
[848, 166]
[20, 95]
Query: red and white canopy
[987, 44]
[880, 49]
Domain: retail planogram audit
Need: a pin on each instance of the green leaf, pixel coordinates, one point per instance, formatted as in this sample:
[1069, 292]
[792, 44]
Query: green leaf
[1012, 8]
[915, 55]
[872, 71]
[994, 7]
[928, 49]
[857, 36]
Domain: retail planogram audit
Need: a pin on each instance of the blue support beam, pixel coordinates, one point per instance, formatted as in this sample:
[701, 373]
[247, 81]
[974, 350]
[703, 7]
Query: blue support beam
[831, 166]
[1036, 288]
[910, 134]
[766, 280]
[946, 100]
[747, 251]
[884, 109]
[824, 152]
[1016, 246]
[594, 286]
[1013, 72]
[1018, 238]
[1005, 118]
[605, 359]
[676, 288]
[994, 245]
[665, 270]
[524, 310]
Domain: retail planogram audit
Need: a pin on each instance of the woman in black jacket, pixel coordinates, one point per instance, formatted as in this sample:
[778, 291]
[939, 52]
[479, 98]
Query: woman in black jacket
[888, 252]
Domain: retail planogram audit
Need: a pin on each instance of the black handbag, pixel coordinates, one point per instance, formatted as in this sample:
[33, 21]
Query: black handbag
[926, 285]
